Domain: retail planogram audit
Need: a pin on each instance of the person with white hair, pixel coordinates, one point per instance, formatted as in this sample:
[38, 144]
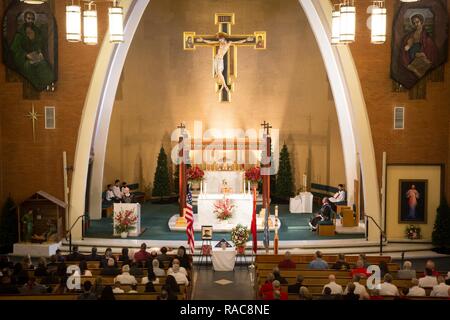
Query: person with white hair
[407, 272]
[126, 277]
[387, 288]
[441, 289]
[157, 270]
[276, 293]
[334, 287]
[179, 276]
[110, 269]
[415, 290]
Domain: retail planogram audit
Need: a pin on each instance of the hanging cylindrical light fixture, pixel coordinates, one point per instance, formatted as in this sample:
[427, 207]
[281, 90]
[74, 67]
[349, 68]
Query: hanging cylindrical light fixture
[347, 22]
[73, 23]
[378, 24]
[115, 23]
[335, 25]
[90, 34]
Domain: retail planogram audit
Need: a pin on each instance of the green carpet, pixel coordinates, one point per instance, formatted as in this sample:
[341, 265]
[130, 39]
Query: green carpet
[155, 218]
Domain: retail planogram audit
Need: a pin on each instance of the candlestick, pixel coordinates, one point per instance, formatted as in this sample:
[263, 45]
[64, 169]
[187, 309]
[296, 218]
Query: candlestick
[248, 185]
[201, 186]
[276, 216]
[305, 179]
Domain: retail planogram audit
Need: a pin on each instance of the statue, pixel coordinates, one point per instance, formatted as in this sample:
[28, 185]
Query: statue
[225, 188]
[27, 225]
[224, 46]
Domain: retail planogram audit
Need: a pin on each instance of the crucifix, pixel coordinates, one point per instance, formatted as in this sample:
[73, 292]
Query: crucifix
[33, 115]
[224, 46]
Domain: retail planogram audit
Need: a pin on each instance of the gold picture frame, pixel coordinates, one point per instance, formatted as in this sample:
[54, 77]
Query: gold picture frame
[188, 40]
[260, 40]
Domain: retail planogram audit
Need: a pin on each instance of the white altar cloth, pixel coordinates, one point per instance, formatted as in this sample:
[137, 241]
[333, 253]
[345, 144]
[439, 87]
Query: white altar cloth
[213, 181]
[223, 260]
[242, 211]
[303, 203]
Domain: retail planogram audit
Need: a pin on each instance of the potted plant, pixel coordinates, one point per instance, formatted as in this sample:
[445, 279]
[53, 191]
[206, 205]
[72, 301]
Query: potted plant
[125, 221]
[239, 236]
[254, 176]
[223, 209]
[195, 176]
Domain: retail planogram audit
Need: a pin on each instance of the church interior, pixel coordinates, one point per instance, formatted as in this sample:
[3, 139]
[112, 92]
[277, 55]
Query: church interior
[224, 150]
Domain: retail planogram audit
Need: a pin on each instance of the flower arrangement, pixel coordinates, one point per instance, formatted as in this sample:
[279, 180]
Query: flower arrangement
[125, 221]
[413, 232]
[223, 209]
[195, 173]
[240, 235]
[253, 174]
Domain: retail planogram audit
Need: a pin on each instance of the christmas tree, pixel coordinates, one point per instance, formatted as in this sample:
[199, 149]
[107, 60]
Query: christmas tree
[161, 182]
[8, 227]
[284, 180]
[441, 230]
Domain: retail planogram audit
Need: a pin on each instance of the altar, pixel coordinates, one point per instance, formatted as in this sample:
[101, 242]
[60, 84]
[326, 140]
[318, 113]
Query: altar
[242, 214]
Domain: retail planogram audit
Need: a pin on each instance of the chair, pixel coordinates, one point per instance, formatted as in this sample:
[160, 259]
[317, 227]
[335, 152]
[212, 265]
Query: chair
[326, 228]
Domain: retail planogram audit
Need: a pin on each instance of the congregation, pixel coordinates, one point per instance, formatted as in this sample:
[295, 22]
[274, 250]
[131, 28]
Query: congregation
[101, 276]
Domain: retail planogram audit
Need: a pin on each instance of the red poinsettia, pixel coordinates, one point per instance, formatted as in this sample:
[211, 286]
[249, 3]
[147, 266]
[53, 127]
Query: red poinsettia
[125, 221]
[253, 174]
[195, 173]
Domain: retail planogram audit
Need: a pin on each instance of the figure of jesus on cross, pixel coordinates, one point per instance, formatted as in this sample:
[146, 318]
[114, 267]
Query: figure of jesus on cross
[224, 46]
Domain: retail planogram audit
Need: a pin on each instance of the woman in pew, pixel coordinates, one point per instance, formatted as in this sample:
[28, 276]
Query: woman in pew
[149, 287]
[135, 270]
[172, 285]
[156, 269]
[150, 278]
[183, 258]
[267, 286]
[84, 269]
[124, 257]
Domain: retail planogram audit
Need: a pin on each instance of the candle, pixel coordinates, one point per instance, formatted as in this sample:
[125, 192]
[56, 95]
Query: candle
[276, 212]
[305, 181]
[201, 186]
[249, 186]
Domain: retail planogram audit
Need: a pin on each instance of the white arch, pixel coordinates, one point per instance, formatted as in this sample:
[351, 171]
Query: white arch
[352, 115]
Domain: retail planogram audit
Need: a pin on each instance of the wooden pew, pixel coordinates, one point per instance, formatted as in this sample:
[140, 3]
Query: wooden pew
[74, 296]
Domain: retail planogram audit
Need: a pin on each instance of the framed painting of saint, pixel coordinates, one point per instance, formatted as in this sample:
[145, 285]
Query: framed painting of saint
[419, 40]
[30, 46]
[413, 201]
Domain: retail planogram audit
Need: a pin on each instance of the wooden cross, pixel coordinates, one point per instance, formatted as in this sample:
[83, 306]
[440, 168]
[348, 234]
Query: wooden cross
[225, 20]
[266, 127]
[33, 115]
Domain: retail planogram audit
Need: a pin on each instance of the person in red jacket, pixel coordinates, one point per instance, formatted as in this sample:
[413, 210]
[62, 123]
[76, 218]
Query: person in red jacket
[360, 269]
[267, 286]
[276, 293]
[287, 263]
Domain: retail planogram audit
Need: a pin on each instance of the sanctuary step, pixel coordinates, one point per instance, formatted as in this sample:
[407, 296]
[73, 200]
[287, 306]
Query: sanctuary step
[346, 246]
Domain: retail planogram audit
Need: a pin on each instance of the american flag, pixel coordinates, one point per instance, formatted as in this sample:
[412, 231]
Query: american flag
[188, 214]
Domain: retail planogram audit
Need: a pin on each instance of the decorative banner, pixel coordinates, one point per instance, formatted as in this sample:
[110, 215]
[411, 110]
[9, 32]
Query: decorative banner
[419, 40]
[30, 43]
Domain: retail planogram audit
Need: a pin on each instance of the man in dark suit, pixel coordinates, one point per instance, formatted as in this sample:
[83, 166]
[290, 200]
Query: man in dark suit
[93, 256]
[75, 255]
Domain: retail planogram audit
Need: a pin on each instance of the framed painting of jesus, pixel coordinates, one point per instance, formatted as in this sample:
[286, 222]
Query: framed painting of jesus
[413, 201]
